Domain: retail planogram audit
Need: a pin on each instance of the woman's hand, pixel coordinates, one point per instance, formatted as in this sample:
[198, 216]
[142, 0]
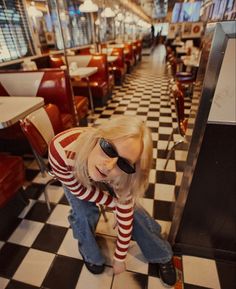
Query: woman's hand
[118, 267]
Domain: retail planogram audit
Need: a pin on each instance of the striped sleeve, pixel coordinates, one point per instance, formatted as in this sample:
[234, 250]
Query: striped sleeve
[65, 175]
[124, 216]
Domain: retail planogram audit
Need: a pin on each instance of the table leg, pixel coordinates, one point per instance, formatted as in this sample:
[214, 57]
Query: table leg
[90, 95]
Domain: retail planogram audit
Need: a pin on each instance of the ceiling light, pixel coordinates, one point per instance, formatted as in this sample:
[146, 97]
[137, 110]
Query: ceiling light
[108, 12]
[88, 6]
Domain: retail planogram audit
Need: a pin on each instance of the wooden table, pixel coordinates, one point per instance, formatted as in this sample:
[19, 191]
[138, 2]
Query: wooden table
[13, 108]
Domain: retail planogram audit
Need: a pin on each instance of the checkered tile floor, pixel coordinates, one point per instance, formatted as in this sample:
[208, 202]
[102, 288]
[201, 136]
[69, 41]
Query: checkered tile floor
[38, 249]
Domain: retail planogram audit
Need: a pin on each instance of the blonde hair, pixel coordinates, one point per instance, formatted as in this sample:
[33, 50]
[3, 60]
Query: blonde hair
[121, 127]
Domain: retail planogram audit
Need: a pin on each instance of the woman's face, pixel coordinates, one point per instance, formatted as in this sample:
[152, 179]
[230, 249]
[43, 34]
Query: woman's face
[101, 167]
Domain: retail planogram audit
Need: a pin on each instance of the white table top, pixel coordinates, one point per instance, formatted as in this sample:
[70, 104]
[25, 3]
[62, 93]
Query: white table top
[13, 108]
[112, 58]
[83, 71]
[190, 61]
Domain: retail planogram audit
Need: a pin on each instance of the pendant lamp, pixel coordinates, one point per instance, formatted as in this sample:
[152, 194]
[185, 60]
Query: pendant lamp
[88, 7]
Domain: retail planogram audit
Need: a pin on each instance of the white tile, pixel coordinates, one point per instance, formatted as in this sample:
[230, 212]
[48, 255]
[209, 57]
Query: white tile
[162, 144]
[34, 267]
[106, 228]
[27, 208]
[89, 280]
[165, 227]
[152, 176]
[153, 113]
[165, 119]
[165, 130]
[147, 204]
[160, 164]
[154, 136]
[181, 155]
[135, 260]
[39, 179]
[59, 216]
[164, 192]
[201, 272]
[154, 153]
[107, 245]
[55, 193]
[143, 109]
[69, 246]
[130, 112]
[155, 283]
[3, 282]
[26, 232]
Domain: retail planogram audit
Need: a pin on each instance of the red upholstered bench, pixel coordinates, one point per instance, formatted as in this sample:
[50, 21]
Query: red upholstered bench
[51, 84]
[12, 177]
[101, 82]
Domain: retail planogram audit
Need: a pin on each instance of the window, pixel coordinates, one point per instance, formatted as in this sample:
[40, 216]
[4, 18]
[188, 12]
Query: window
[15, 40]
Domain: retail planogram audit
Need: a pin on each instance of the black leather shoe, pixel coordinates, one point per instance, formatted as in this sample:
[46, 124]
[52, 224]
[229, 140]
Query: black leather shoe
[167, 273]
[95, 269]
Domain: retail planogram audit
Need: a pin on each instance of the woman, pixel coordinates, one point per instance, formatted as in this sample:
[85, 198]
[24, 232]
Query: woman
[118, 153]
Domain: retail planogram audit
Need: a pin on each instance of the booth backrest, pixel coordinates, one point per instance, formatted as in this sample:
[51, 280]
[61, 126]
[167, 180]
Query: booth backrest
[51, 84]
[92, 60]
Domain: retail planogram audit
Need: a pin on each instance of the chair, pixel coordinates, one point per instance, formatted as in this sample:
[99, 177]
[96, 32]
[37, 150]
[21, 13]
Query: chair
[178, 95]
[40, 127]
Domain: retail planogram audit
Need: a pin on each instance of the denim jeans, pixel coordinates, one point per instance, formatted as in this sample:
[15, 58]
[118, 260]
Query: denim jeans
[84, 217]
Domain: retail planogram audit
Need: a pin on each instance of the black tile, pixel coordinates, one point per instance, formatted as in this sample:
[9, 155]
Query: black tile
[165, 177]
[141, 113]
[63, 200]
[50, 238]
[13, 284]
[163, 136]
[150, 191]
[31, 174]
[141, 280]
[180, 166]
[165, 114]
[227, 274]
[104, 116]
[7, 227]
[118, 112]
[153, 118]
[34, 191]
[64, 273]
[154, 129]
[162, 210]
[165, 124]
[154, 143]
[11, 255]
[162, 154]
[39, 212]
[153, 270]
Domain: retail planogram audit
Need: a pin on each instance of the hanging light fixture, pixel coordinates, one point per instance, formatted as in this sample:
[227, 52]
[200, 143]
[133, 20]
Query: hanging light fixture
[108, 13]
[120, 17]
[88, 7]
[33, 11]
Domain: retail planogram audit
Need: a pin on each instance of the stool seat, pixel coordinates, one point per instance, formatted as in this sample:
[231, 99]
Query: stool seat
[12, 176]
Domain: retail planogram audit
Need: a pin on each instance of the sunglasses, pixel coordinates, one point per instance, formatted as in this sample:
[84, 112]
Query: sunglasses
[111, 152]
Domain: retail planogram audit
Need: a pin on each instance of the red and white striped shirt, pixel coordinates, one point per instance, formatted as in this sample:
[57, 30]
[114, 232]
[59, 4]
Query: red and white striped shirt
[62, 153]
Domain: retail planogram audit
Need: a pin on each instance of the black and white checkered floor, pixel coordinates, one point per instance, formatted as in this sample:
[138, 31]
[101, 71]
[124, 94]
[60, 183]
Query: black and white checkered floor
[38, 249]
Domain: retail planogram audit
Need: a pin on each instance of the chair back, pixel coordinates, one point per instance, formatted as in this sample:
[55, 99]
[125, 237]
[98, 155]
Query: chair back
[51, 84]
[40, 127]
[179, 106]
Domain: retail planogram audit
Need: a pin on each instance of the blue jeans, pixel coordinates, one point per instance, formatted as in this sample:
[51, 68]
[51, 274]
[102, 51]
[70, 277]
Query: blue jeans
[84, 217]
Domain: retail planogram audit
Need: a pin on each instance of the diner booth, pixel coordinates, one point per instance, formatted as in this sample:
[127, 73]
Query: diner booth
[75, 63]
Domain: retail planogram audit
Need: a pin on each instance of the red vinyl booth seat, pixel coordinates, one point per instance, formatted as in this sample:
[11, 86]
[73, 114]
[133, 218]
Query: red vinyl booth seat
[51, 84]
[12, 177]
[119, 66]
[101, 82]
[129, 56]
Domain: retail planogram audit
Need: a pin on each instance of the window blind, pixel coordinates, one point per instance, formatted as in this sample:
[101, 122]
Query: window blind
[15, 39]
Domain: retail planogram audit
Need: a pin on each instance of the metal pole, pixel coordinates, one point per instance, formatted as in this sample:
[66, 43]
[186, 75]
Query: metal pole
[66, 62]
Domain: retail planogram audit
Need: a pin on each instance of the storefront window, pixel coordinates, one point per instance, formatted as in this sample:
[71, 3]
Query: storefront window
[76, 26]
[15, 40]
